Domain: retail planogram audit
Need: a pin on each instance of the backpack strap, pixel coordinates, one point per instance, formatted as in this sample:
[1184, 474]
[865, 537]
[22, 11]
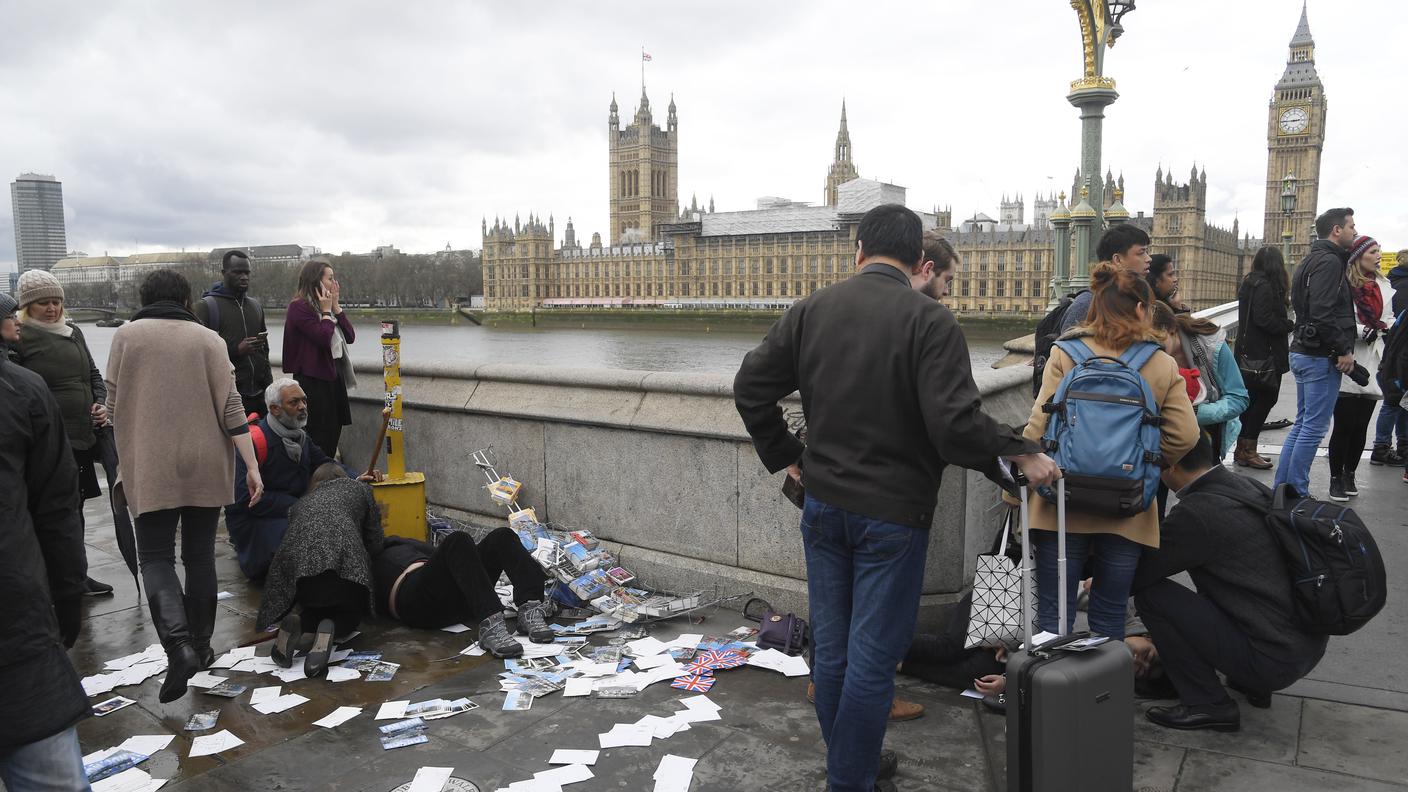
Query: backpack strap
[212, 312]
[1138, 354]
[1076, 348]
[261, 443]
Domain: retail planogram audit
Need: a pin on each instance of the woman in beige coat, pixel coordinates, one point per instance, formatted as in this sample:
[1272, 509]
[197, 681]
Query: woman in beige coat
[1120, 316]
[173, 402]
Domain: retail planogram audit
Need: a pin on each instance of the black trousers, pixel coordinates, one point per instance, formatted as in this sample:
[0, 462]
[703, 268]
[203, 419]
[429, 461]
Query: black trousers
[1258, 408]
[940, 657]
[1196, 639]
[156, 549]
[456, 586]
[1350, 432]
[328, 411]
[255, 404]
[327, 596]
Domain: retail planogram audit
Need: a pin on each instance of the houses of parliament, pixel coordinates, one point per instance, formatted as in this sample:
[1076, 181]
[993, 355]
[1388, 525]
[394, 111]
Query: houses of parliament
[660, 256]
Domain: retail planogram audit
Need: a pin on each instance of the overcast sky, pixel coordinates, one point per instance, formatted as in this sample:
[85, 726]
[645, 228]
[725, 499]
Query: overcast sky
[353, 124]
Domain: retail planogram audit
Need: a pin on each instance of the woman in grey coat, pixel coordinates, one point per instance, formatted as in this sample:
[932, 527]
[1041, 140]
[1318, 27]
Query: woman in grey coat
[323, 567]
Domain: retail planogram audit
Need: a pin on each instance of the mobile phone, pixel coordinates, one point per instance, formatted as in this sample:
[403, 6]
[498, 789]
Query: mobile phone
[262, 336]
[793, 491]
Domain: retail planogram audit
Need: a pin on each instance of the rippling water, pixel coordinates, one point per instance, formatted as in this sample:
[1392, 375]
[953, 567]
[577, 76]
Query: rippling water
[649, 349]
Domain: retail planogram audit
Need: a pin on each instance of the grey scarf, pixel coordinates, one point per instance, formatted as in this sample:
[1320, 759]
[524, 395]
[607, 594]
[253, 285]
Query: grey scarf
[293, 438]
[1202, 350]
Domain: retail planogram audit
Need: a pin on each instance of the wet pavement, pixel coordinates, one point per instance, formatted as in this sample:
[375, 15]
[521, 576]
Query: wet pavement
[1342, 728]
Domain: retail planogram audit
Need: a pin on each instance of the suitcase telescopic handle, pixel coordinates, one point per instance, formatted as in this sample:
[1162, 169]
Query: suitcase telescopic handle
[1027, 594]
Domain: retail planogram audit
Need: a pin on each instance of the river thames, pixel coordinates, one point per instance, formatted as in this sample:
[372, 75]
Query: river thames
[646, 348]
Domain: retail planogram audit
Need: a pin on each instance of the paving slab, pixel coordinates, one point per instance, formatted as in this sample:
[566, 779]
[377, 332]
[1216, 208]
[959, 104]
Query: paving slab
[1211, 772]
[1267, 734]
[1349, 739]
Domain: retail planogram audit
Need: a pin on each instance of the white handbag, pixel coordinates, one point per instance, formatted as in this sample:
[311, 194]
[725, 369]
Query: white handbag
[995, 619]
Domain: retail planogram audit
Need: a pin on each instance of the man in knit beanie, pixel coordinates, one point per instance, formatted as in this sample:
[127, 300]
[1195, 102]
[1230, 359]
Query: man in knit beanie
[36, 285]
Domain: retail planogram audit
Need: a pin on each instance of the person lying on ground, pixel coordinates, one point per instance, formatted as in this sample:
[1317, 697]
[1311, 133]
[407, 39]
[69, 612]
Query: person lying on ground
[287, 458]
[1241, 620]
[323, 567]
[433, 587]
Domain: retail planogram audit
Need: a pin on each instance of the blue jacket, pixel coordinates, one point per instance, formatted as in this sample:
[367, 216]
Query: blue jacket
[256, 531]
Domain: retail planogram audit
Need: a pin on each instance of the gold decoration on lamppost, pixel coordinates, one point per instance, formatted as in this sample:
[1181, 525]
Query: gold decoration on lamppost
[1099, 28]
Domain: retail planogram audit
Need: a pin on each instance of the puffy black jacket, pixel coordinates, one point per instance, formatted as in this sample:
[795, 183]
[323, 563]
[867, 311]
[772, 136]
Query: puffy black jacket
[238, 318]
[1262, 323]
[41, 561]
[1321, 298]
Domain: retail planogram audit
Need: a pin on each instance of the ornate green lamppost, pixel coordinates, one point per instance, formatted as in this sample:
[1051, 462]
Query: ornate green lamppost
[1288, 207]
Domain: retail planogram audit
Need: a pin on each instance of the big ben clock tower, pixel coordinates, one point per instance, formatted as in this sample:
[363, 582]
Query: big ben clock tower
[1295, 137]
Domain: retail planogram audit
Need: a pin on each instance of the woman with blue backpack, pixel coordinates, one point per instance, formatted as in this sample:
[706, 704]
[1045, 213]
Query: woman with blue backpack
[1112, 409]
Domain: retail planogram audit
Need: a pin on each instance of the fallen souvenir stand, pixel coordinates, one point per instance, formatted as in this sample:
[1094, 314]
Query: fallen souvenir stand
[590, 589]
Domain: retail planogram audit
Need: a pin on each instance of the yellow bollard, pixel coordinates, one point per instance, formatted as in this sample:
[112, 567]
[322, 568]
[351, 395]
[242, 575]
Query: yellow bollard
[402, 495]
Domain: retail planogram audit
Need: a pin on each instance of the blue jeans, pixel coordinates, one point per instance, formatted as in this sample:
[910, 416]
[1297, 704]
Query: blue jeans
[1393, 420]
[1113, 561]
[53, 764]
[863, 582]
[1317, 389]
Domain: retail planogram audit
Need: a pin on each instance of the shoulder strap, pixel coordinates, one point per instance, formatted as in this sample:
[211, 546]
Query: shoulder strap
[1138, 354]
[212, 312]
[1076, 348]
[261, 443]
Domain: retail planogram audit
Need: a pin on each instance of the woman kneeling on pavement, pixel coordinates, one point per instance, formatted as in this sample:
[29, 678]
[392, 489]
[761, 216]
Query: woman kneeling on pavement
[323, 567]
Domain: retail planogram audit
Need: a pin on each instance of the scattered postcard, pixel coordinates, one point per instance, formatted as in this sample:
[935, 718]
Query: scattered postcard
[285, 702]
[401, 741]
[454, 628]
[567, 774]
[430, 779]
[340, 674]
[218, 742]
[111, 705]
[627, 734]
[147, 744]
[392, 709]
[205, 679]
[674, 773]
[132, 779]
[338, 717]
[227, 689]
[570, 756]
[200, 721]
[382, 671]
[473, 650]
[578, 686]
[703, 703]
[262, 694]
[518, 700]
[224, 595]
[111, 762]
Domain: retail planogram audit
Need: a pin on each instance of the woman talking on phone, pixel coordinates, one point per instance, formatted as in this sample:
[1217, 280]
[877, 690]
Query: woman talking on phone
[316, 336]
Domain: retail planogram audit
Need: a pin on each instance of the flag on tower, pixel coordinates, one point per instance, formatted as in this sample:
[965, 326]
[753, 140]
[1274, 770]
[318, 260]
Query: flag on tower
[645, 56]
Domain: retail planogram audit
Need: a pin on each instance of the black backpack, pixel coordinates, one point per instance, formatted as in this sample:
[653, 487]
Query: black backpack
[1338, 581]
[1395, 359]
[1047, 331]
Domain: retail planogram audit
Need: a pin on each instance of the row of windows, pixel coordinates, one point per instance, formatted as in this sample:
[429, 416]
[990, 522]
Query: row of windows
[542, 292]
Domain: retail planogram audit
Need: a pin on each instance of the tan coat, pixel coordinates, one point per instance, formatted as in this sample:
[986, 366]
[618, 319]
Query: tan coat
[172, 398]
[1178, 434]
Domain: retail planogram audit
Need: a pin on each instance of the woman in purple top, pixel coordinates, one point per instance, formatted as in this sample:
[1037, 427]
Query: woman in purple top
[316, 335]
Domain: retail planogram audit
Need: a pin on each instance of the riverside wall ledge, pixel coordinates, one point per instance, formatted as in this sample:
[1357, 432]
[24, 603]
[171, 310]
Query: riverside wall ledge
[655, 464]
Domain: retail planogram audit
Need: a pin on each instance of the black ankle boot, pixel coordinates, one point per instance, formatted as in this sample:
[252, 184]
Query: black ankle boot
[200, 618]
[169, 617]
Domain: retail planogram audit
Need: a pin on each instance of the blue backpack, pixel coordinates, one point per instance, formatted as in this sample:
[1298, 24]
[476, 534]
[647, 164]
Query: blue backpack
[1104, 431]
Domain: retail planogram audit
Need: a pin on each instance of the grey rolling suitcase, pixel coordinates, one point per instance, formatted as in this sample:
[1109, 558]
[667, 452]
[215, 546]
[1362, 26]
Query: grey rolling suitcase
[1069, 713]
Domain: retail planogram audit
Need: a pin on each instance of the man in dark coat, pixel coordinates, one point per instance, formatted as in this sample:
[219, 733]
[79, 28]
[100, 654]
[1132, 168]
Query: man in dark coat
[888, 394]
[42, 567]
[1322, 343]
[287, 459]
[239, 319]
[1241, 620]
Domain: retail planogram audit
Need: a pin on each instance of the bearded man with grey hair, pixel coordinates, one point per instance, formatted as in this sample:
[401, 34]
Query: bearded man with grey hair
[287, 459]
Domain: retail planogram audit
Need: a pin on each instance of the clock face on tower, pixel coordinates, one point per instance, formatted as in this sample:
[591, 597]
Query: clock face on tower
[1294, 120]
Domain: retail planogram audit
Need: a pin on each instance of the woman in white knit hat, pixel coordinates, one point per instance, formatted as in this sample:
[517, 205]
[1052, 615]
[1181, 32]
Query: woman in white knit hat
[56, 351]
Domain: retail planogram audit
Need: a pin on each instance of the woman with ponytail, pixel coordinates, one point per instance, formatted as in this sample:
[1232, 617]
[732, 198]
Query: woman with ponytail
[1120, 313]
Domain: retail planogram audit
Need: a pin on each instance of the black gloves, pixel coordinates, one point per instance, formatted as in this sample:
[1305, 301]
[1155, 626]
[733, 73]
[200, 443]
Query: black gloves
[70, 613]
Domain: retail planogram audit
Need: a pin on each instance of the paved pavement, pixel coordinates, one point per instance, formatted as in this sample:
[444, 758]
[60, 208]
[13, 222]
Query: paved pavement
[1343, 728]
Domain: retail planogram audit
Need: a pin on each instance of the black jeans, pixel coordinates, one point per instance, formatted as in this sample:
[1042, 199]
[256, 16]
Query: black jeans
[940, 657]
[1258, 408]
[456, 586]
[1350, 432]
[156, 549]
[328, 411]
[327, 596]
[1196, 639]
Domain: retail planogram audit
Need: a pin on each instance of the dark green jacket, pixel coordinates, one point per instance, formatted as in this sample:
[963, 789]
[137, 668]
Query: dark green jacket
[68, 369]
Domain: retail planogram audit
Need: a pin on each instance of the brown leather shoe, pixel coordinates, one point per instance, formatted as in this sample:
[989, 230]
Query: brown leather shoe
[900, 710]
[1246, 455]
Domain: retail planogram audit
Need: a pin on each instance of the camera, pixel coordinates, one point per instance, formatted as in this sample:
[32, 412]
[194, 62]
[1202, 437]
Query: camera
[1360, 375]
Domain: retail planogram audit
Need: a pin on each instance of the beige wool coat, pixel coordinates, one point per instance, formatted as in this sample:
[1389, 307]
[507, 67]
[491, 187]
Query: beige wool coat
[1178, 434]
[173, 403]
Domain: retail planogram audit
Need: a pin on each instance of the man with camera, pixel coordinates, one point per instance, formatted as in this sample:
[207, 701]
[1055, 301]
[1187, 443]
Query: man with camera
[1322, 343]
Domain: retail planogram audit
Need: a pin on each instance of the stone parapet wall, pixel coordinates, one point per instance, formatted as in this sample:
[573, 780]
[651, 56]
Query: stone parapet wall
[657, 465]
